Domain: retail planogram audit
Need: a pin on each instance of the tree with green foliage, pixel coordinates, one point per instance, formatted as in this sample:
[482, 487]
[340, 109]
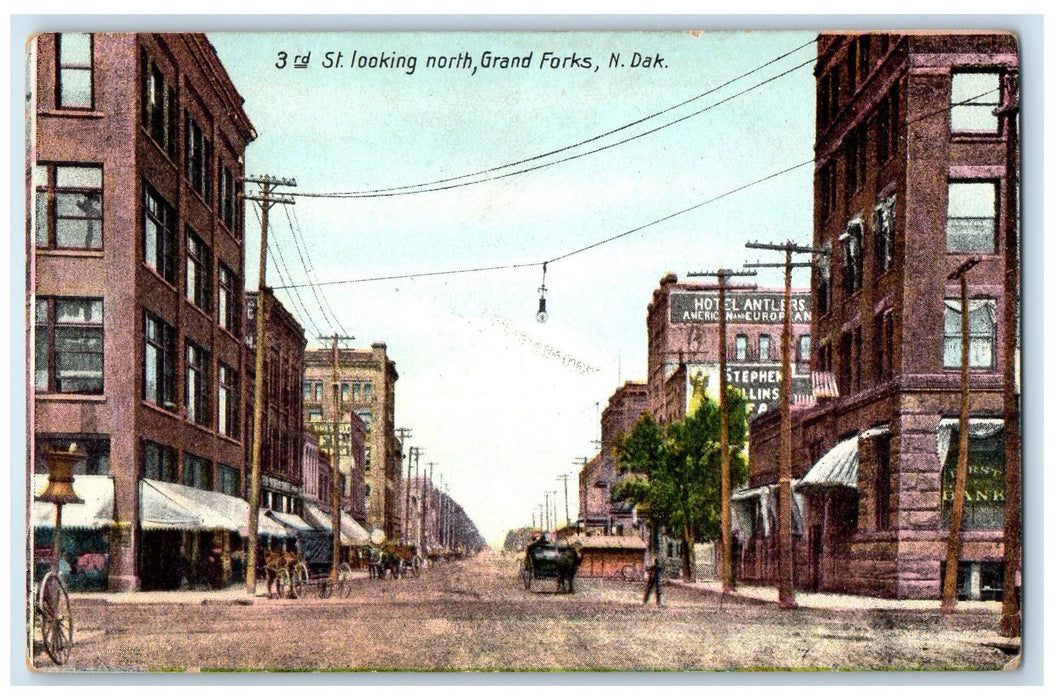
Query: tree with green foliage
[674, 471]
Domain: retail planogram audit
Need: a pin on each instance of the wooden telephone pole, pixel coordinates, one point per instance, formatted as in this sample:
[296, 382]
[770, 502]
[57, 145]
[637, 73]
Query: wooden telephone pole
[267, 199]
[334, 489]
[951, 566]
[728, 583]
[786, 540]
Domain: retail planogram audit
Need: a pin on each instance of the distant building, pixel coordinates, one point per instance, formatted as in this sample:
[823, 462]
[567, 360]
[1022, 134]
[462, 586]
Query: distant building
[135, 270]
[683, 345]
[912, 178]
[366, 390]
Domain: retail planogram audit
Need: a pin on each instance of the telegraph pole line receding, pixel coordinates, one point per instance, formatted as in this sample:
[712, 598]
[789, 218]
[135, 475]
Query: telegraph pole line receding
[334, 490]
[786, 542]
[567, 508]
[728, 584]
[267, 199]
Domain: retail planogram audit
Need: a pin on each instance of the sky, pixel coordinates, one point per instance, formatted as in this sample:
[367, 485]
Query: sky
[501, 404]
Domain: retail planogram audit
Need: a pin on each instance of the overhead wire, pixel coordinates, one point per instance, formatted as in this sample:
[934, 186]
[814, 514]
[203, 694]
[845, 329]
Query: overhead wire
[584, 141]
[305, 261]
[276, 255]
[521, 171]
[623, 234]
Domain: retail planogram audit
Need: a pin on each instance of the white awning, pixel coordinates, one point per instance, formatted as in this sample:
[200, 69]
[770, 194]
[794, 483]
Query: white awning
[293, 523]
[321, 520]
[352, 530]
[743, 510]
[836, 468]
[167, 506]
[265, 525]
[977, 428]
[96, 512]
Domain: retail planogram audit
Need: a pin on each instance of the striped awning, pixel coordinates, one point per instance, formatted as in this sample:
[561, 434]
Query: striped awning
[836, 468]
[96, 512]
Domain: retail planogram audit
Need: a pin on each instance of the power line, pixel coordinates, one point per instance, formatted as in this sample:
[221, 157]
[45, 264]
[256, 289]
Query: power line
[584, 141]
[610, 239]
[311, 264]
[308, 272]
[279, 264]
[352, 195]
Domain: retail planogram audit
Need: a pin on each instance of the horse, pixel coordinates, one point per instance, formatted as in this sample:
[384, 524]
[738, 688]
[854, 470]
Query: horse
[275, 561]
[566, 567]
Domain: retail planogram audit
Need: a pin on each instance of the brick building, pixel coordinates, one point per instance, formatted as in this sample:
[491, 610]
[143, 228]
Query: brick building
[135, 268]
[683, 345]
[366, 384]
[908, 185]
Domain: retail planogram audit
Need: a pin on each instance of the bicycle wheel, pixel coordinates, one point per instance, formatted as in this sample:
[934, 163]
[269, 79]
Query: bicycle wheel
[56, 621]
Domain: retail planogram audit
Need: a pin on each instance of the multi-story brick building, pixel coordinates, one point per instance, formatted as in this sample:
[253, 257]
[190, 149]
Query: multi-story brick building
[683, 345]
[913, 173]
[366, 385]
[281, 446]
[135, 268]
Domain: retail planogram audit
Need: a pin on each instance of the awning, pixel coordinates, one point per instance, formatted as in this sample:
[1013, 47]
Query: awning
[743, 510]
[323, 521]
[824, 385]
[293, 523]
[167, 506]
[96, 512]
[352, 530]
[977, 428]
[836, 468]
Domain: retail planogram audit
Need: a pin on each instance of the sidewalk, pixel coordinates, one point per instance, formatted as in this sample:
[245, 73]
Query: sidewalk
[834, 601]
[232, 595]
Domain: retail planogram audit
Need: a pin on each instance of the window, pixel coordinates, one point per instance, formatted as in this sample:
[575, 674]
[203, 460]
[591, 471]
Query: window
[230, 481]
[858, 353]
[228, 404]
[159, 106]
[863, 58]
[314, 414]
[882, 346]
[69, 206]
[74, 88]
[804, 349]
[888, 126]
[356, 391]
[971, 216]
[197, 472]
[197, 388]
[764, 346]
[367, 391]
[197, 159]
[227, 314]
[852, 257]
[982, 333]
[159, 235]
[845, 362]
[159, 462]
[367, 418]
[974, 97]
[741, 347]
[367, 458]
[345, 391]
[159, 365]
[985, 485]
[884, 224]
[883, 482]
[856, 160]
[69, 345]
[228, 199]
[823, 281]
[828, 188]
[199, 271]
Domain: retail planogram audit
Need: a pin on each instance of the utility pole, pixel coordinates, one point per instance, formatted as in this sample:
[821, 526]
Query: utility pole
[951, 566]
[786, 540]
[267, 199]
[1010, 622]
[334, 489]
[567, 508]
[424, 509]
[728, 584]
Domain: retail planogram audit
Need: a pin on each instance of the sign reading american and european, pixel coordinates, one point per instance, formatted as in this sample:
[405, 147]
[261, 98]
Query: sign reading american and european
[740, 307]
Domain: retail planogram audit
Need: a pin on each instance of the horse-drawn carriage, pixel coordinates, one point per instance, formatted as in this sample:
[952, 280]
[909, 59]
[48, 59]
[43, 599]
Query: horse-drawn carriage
[550, 560]
[395, 560]
[289, 576]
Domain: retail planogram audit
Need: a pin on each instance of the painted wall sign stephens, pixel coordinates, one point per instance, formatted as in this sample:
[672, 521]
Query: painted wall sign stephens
[740, 307]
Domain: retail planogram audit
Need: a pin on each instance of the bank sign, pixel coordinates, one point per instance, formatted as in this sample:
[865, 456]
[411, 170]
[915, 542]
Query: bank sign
[740, 307]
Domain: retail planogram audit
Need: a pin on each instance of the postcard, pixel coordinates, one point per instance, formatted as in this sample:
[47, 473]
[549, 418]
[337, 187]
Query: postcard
[523, 351]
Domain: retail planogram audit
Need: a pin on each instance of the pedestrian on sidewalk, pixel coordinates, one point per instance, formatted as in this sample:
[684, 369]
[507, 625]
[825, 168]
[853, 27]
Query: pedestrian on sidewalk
[654, 582]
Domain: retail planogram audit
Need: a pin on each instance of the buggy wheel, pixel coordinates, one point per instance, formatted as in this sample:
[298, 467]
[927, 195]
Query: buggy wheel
[283, 584]
[416, 566]
[300, 577]
[56, 618]
[325, 589]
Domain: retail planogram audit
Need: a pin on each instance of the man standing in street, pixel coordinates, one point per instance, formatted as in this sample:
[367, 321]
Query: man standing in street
[654, 582]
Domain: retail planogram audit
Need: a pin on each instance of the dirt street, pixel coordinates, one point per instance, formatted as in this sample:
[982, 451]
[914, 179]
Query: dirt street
[476, 615]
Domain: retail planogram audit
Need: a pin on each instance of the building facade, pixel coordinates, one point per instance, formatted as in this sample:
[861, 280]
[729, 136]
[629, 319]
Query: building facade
[684, 342]
[365, 392]
[913, 177]
[135, 268]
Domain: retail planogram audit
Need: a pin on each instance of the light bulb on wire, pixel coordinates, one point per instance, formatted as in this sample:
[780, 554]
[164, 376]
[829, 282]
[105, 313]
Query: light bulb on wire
[542, 316]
